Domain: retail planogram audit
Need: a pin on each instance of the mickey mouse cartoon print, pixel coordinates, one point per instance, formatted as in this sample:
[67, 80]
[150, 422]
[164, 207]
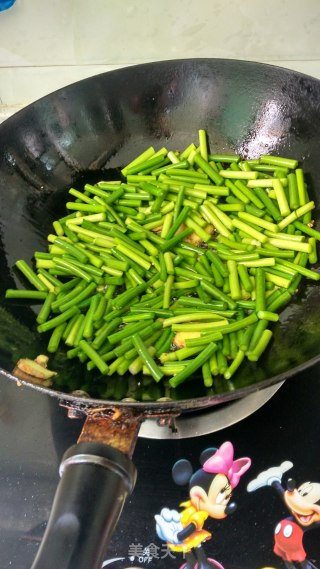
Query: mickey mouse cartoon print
[303, 505]
[210, 492]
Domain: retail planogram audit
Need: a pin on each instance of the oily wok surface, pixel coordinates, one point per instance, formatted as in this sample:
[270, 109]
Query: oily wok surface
[87, 131]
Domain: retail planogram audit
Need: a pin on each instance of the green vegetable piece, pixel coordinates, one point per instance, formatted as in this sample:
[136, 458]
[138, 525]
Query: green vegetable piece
[30, 275]
[197, 363]
[143, 352]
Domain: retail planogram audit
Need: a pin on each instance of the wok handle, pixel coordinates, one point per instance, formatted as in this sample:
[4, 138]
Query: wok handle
[95, 481]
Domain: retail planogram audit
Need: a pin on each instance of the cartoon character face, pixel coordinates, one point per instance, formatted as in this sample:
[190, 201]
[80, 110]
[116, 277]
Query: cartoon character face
[304, 503]
[216, 500]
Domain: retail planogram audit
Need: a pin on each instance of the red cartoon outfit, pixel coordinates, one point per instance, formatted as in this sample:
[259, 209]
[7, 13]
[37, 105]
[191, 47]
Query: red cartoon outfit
[288, 541]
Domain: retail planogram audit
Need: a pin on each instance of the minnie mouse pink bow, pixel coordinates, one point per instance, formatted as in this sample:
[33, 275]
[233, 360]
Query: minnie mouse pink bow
[222, 463]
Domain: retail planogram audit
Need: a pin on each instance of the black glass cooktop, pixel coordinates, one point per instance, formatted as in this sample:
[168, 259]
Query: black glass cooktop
[35, 432]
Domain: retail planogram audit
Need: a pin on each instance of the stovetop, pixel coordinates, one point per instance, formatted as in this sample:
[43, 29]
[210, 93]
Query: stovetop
[35, 432]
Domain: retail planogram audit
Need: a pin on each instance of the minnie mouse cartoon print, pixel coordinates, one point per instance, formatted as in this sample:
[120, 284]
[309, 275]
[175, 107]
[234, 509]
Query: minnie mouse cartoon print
[210, 492]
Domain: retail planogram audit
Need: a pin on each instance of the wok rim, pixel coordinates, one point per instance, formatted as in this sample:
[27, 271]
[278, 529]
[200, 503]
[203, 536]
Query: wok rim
[161, 62]
[158, 407]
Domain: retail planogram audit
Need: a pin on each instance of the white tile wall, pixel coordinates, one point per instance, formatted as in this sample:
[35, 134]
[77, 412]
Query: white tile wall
[46, 44]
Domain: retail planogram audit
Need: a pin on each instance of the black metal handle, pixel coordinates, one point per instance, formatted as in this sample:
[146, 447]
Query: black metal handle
[95, 482]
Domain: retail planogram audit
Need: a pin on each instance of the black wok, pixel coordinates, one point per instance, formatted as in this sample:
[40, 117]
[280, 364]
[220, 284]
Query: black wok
[86, 132]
